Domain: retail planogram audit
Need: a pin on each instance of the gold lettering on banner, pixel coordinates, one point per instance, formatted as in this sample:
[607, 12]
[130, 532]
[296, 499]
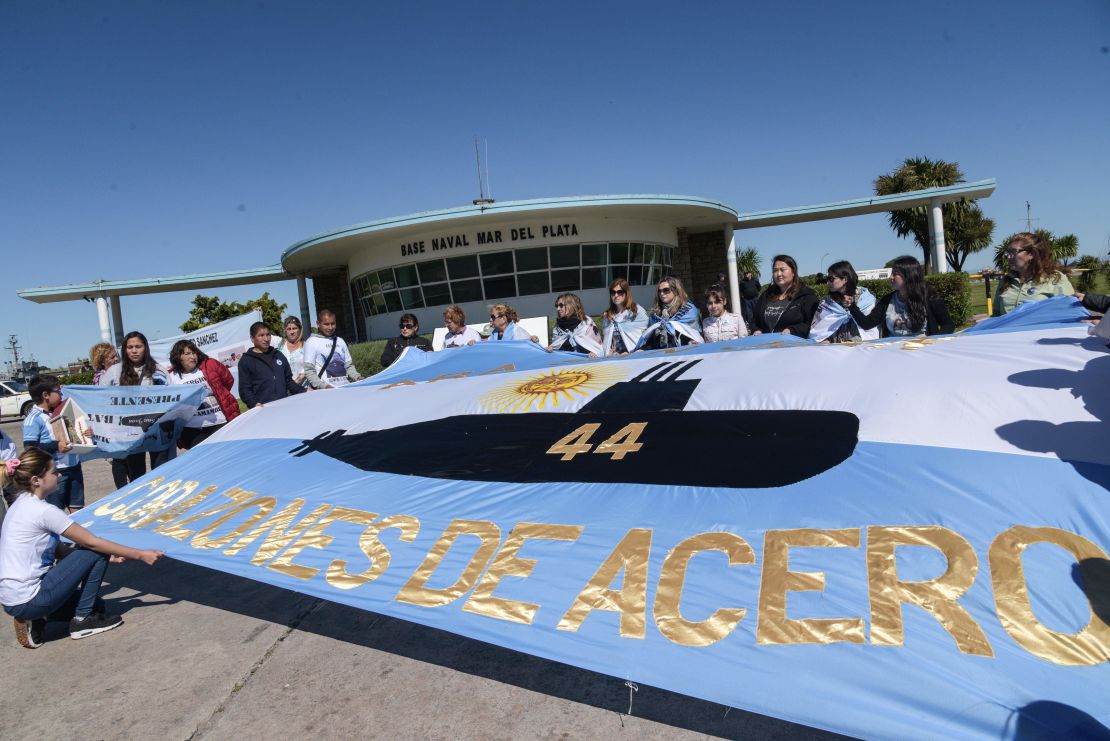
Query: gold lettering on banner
[279, 530]
[500, 369]
[506, 563]
[672, 579]
[163, 497]
[415, 593]
[446, 376]
[1089, 646]
[106, 508]
[630, 556]
[178, 531]
[623, 442]
[939, 597]
[337, 574]
[575, 443]
[136, 508]
[399, 383]
[202, 539]
[315, 537]
[773, 627]
[177, 508]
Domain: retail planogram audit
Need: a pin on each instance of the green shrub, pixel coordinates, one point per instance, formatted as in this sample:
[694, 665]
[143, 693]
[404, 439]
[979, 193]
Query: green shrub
[367, 356]
[84, 378]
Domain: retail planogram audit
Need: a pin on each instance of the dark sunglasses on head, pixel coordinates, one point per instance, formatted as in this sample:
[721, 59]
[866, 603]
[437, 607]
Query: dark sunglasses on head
[407, 325]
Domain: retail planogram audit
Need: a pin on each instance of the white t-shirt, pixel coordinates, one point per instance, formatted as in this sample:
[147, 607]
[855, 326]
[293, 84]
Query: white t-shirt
[209, 412]
[468, 335]
[31, 530]
[316, 351]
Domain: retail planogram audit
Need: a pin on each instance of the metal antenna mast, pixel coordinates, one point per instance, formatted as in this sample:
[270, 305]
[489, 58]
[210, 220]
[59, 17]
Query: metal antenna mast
[13, 347]
[483, 199]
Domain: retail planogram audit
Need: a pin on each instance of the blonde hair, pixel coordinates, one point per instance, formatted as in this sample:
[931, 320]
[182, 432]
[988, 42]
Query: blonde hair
[507, 310]
[575, 305]
[99, 353]
[680, 297]
[32, 462]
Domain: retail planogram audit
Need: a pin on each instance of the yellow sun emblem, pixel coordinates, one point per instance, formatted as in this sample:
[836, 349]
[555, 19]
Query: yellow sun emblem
[534, 392]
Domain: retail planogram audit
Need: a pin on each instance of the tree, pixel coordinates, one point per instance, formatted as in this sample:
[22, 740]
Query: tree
[1084, 282]
[209, 310]
[1064, 248]
[966, 229]
[748, 260]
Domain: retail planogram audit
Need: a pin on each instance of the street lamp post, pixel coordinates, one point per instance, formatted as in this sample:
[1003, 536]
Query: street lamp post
[821, 267]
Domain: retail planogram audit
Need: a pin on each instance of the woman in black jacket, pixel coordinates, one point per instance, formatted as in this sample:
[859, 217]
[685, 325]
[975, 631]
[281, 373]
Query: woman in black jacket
[409, 337]
[787, 305]
[911, 309]
[264, 373]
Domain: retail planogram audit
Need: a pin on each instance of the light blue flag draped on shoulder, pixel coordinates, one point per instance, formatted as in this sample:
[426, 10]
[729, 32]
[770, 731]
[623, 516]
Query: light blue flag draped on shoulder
[134, 419]
[901, 538]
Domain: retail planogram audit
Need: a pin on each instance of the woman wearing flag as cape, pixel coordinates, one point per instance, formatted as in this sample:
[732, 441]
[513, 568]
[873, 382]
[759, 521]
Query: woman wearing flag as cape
[833, 323]
[573, 331]
[674, 320]
[623, 322]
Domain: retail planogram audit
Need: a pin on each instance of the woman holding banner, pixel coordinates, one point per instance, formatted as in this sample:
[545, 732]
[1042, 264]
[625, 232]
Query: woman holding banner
[137, 369]
[191, 366]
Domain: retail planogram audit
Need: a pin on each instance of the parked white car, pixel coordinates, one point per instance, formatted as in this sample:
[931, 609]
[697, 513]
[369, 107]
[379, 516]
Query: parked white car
[14, 399]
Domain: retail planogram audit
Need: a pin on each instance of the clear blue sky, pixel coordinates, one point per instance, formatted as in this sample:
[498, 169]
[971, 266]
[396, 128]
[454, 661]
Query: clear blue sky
[154, 139]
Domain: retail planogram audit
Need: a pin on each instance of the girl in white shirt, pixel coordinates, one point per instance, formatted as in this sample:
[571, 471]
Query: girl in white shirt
[38, 574]
[721, 324]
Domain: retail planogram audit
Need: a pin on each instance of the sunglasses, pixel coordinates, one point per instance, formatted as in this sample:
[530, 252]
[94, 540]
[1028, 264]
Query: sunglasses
[408, 326]
[1015, 253]
[617, 292]
[665, 290]
[493, 317]
[560, 306]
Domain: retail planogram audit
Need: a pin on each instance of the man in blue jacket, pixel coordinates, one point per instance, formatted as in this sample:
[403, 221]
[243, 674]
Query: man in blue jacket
[264, 373]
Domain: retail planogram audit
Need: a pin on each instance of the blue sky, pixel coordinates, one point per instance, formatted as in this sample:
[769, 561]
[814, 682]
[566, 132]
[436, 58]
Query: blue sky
[154, 139]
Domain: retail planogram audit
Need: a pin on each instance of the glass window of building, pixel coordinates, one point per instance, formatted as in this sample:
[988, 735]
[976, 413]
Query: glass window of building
[462, 267]
[564, 256]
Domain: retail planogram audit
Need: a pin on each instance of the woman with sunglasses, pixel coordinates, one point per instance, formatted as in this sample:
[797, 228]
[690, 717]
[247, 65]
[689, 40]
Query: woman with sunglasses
[623, 323]
[1033, 275]
[787, 305]
[833, 323]
[674, 320]
[505, 324]
[911, 309]
[409, 337]
[574, 331]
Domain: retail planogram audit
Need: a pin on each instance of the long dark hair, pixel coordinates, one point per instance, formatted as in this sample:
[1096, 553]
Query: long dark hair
[128, 376]
[846, 272]
[795, 285]
[181, 346]
[914, 288]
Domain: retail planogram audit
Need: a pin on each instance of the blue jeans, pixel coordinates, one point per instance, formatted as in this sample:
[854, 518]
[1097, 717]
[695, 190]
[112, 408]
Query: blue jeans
[82, 568]
[71, 489]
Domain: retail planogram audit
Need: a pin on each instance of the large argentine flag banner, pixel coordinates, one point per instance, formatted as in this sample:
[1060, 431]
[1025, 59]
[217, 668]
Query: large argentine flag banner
[887, 539]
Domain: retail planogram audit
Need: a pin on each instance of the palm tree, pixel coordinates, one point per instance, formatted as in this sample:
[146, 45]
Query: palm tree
[966, 229]
[1085, 281]
[748, 260]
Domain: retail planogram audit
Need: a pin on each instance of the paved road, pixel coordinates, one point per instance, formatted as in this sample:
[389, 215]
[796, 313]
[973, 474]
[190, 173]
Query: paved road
[206, 655]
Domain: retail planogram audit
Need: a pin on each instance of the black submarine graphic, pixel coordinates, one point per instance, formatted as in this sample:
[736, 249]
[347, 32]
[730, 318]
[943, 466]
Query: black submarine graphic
[634, 432]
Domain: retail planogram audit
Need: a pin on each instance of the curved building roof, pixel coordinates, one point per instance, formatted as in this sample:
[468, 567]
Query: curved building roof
[335, 248]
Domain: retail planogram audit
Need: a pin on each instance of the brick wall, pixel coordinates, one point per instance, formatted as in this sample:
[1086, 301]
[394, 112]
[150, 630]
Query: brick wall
[333, 291]
[706, 252]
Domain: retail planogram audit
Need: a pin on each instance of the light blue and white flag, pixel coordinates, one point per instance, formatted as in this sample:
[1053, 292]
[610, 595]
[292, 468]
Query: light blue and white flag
[134, 419]
[901, 538]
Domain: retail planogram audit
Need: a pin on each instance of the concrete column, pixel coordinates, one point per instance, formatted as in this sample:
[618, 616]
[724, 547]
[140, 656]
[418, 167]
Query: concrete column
[733, 277]
[117, 321]
[302, 299]
[936, 236]
[102, 316]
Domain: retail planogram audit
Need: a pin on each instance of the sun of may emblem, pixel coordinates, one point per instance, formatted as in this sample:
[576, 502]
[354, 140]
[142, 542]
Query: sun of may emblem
[549, 387]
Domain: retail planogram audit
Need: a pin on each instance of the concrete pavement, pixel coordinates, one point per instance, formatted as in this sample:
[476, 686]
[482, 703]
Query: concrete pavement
[206, 655]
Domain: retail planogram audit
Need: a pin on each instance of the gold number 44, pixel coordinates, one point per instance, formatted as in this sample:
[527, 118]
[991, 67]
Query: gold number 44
[625, 441]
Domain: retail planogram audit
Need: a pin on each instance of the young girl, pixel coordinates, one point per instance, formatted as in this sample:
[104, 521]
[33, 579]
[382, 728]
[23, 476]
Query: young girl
[137, 369]
[291, 345]
[623, 323]
[832, 323]
[32, 585]
[912, 309]
[674, 320]
[191, 366]
[721, 324]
